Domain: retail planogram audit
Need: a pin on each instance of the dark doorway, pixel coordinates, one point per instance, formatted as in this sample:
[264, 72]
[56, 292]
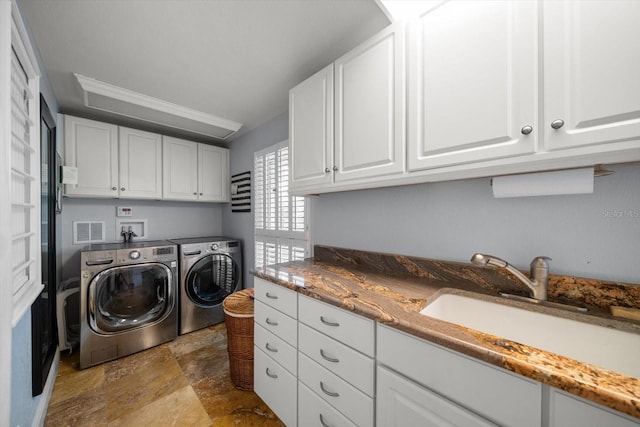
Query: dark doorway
[44, 337]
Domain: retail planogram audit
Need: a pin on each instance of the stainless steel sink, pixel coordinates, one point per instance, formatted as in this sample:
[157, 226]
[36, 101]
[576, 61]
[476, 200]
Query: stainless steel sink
[594, 344]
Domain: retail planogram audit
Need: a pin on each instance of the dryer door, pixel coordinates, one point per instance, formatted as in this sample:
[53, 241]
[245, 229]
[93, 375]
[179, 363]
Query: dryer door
[129, 297]
[211, 279]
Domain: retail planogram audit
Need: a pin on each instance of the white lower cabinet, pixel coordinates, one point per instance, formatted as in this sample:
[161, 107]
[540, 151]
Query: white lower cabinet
[401, 403]
[315, 412]
[493, 393]
[276, 386]
[567, 410]
[337, 392]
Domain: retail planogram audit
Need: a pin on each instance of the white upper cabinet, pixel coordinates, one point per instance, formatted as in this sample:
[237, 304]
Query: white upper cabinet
[591, 81]
[369, 107]
[213, 173]
[140, 172]
[311, 130]
[472, 90]
[347, 122]
[193, 171]
[92, 147]
[179, 169]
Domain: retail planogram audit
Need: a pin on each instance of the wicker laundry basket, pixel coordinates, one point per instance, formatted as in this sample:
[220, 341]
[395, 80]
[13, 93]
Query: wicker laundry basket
[238, 314]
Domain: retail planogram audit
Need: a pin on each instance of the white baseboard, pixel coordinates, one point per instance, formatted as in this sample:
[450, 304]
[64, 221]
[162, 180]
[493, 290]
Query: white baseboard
[45, 397]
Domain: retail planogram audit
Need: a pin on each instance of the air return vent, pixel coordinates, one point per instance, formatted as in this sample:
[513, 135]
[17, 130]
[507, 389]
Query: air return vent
[88, 232]
[117, 100]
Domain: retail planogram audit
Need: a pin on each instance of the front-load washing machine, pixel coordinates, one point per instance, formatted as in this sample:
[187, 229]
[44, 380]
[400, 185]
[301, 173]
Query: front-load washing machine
[210, 269]
[128, 299]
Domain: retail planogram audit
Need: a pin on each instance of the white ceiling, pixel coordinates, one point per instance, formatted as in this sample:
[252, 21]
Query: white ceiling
[236, 59]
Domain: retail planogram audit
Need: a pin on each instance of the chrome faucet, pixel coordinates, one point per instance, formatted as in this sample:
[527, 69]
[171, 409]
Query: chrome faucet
[539, 272]
[127, 235]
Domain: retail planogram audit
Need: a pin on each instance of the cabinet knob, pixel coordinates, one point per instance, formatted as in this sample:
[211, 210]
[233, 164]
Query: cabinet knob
[114, 188]
[195, 194]
[335, 168]
[122, 188]
[327, 170]
[526, 130]
[557, 124]
[201, 194]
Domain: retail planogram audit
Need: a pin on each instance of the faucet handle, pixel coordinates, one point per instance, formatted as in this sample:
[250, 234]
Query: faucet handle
[540, 262]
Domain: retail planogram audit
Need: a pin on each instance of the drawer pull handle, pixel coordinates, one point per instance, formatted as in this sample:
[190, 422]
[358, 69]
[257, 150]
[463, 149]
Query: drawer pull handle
[271, 296]
[327, 358]
[269, 374]
[274, 350]
[323, 422]
[327, 392]
[328, 323]
[271, 322]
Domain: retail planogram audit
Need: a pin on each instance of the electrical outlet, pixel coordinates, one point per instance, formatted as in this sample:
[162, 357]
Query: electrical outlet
[124, 211]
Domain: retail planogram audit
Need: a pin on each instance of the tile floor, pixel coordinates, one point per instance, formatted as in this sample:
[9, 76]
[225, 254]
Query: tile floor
[182, 383]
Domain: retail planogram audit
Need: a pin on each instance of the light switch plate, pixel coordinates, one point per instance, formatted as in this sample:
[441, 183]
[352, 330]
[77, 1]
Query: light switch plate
[124, 211]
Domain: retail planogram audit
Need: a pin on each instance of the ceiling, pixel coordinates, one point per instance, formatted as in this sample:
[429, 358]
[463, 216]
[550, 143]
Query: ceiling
[236, 59]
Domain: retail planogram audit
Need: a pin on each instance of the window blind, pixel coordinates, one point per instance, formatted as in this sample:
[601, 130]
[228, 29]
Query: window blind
[281, 225]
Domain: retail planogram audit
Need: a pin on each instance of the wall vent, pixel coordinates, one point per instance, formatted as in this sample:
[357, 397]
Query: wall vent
[88, 232]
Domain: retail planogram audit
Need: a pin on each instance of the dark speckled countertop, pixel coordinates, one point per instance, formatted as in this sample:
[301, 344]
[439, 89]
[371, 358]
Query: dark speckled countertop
[392, 289]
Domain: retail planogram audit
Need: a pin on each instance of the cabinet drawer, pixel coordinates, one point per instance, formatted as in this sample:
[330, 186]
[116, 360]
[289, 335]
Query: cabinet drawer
[276, 348]
[276, 322]
[276, 386]
[513, 400]
[568, 410]
[401, 402]
[350, 329]
[277, 296]
[356, 368]
[315, 412]
[354, 404]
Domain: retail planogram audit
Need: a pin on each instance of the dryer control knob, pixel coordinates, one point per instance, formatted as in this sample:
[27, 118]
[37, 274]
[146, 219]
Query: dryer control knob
[214, 246]
[134, 254]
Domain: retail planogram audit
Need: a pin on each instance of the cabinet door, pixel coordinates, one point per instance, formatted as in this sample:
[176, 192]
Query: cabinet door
[276, 386]
[402, 403]
[311, 130]
[179, 169]
[369, 102]
[140, 164]
[213, 173]
[566, 410]
[591, 64]
[472, 82]
[92, 147]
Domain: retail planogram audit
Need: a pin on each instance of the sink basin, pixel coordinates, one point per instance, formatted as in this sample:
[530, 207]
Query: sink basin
[597, 345]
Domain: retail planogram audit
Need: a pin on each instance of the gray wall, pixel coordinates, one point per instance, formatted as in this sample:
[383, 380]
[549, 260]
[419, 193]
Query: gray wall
[240, 224]
[164, 219]
[595, 235]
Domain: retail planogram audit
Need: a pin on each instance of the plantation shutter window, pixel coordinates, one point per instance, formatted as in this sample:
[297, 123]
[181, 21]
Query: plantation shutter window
[281, 224]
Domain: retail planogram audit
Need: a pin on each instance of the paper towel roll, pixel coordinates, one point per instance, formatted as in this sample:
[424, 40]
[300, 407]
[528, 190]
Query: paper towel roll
[573, 181]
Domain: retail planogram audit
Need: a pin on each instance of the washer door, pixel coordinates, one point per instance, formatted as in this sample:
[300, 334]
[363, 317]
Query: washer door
[129, 297]
[211, 279]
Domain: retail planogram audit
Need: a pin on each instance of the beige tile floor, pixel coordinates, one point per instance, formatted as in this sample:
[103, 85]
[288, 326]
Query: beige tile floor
[182, 383]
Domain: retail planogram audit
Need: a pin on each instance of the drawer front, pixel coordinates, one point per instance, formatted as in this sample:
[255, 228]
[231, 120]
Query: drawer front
[276, 348]
[276, 386]
[277, 323]
[354, 404]
[513, 401]
[276, 296]
[315, 412]
[348, 328]
[354, 367]
[401, 402]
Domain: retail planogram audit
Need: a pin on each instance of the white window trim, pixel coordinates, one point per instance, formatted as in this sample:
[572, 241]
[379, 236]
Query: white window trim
[274, 237]
[11, 24]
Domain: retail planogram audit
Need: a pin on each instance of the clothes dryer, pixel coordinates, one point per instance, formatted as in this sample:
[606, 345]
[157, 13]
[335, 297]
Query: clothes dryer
[210, 270]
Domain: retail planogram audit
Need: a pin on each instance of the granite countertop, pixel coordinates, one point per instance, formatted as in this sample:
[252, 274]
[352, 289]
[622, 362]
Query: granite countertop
[393, 289]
